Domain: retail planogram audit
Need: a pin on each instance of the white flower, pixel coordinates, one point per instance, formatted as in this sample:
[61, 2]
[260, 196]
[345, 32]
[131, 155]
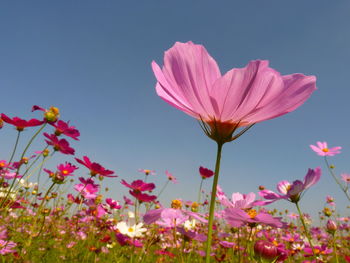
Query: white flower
[26, 184]
[131, 214]
[131, 231]
[190, 224]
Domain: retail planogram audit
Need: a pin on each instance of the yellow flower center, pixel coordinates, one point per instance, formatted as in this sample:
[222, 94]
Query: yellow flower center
[326, 150]
[130, 229]
[176, 204]
[252, 213]
[65, 172]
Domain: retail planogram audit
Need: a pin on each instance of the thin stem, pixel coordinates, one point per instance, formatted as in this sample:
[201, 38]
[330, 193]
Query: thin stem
[212, 202]
[305, 228]
[335, 179]
[15, 147]
[200, 191]
[163, 188]
[32, 139]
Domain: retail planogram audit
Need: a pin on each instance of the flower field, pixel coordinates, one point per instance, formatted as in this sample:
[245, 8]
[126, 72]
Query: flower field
[49, 215]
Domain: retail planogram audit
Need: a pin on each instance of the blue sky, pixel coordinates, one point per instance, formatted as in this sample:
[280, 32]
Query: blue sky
[92, 60]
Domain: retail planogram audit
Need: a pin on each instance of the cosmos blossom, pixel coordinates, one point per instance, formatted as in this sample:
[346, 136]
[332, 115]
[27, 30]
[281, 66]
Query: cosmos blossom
[60, 145]
[19, 123]
[95, 168]
[190, 80]
[323, 150]
[291, 191]
[205, 172]
[237, 217]
[63, 127]
[66, 169]
[345, 178]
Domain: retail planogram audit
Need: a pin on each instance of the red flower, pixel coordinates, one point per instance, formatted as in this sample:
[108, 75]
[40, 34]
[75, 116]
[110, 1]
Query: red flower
[142, 197]
[95, 168]
[63, 128]
[205, 173]
[139, 185]
[60, 145]
[20, 123]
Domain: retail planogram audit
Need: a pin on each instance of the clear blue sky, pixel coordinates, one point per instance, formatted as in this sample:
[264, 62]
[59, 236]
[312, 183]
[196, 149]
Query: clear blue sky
[92, 60]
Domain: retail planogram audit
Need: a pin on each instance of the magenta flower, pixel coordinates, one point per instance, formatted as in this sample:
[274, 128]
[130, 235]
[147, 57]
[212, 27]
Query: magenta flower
[139, 185]
[205, 173]
[66, 169]
[237, 217]
[190, 80]
[95, 168]
[19, 123]
[323, 150]
[113, 204]
[292, 191]
[60, 145]
[64, 128]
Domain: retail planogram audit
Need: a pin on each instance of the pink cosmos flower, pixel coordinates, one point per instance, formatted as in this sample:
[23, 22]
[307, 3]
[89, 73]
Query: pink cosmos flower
[190, 80]
[60, 145]
[9, 175]
[237, 217]
[66, 169]
[345, 178]
[291, 191]
[95, 168]
[317, 251]
[323, 150]
[139, 185]
[4, 164]
[171, 177]
[87, 188]
[113, 204]
[6, 247]
[64, 128]
[19, 123]
[205, 173]
[238, 200]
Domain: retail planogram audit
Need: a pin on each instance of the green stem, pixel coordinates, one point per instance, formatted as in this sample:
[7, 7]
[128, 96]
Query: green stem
[335, 179]
[32, 139]
[200, 191]
[14, 148]
[212, 202]
[163, 188]
[305, 228]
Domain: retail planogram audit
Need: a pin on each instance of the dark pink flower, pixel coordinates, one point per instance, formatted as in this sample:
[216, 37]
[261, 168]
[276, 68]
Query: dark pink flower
[95, 168]
[113, 204]
[139, 185]
[205, 173]
[60, 145]
[64, 128]
[66, 169]
[265, 249]
[19, 123]
[142, 197]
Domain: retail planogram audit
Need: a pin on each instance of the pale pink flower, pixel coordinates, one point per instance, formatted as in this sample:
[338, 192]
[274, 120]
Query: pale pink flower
[191, 81]
[345, 178]
[323, 150]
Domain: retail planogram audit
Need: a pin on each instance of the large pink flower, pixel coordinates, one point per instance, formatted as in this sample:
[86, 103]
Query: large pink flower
[190, 80]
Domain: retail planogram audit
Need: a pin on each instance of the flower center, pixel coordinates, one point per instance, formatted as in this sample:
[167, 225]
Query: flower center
[65, 172]
[130, 229]
[252, 213]
[326, 150]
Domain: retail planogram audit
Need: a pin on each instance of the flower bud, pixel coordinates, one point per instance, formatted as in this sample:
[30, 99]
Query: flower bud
[331, 226]
[265, 249]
